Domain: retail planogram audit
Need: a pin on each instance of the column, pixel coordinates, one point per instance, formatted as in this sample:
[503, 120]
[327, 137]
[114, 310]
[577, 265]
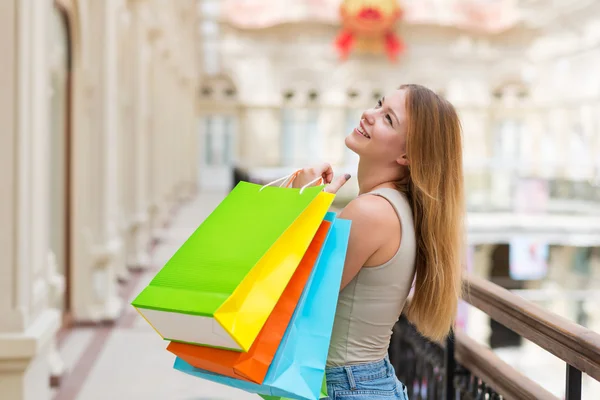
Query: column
[158, 164]
[181, 123]
[191, 73]
[192, 149]
[94, 295]
[109, 133]
[182, 148]
[178, 120]
[138, 257]
[27, 325]
[170, 132]
[189, 140]
[166, 101]
[152, 121]
[125, 175]
[177, 124]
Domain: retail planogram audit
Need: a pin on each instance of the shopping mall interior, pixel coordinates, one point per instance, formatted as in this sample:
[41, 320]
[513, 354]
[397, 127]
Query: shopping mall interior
[126, 122]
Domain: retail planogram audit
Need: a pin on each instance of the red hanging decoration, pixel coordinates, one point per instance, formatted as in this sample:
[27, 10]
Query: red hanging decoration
[344, 43]
[393, 46]
[369, 26]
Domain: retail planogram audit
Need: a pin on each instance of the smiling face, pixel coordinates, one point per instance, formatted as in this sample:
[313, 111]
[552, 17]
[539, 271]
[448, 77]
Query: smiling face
[380, 136]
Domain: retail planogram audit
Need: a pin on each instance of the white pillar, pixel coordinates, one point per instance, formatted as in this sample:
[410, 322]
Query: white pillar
[182, 156]
[98, 243]
[140, 232]
[175, 126]
[170, 133]
[110, 234]
[27, 325]
[192, 140]
[165, 162]
[182, 124]
[191, 73]
[125, 176]
[186, 72]
[158, 162]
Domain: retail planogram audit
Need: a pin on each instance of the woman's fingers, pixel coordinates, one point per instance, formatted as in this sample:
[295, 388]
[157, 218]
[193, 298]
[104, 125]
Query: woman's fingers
[327, 174]
[337, 183]
[322, 170]
[325, 171]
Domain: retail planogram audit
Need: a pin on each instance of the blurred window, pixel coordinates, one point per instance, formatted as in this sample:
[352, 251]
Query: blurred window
[301, 138]
[218, 139]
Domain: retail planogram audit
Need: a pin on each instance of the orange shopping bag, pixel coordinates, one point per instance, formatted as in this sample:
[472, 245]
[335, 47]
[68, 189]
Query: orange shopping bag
[253, 365]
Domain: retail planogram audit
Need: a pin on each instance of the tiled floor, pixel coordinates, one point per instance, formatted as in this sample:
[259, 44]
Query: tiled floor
[128, 361]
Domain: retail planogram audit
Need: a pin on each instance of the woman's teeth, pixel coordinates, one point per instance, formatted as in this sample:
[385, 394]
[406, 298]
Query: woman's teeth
[362, 132]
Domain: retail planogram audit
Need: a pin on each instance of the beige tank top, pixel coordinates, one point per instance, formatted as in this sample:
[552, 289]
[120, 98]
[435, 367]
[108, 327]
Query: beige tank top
[369, 306]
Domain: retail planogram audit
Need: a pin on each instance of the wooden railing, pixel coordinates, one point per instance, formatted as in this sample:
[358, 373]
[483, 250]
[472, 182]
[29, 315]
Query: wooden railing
[462, 368]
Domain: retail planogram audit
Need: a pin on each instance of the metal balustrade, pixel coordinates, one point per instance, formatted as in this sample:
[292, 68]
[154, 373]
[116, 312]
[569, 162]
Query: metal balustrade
[463, 369]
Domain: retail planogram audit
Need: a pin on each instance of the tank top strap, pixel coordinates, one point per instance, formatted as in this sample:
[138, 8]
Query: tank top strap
[403, 210]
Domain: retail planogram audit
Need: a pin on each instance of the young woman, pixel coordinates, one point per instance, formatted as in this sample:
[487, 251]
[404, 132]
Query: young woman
[407, 223]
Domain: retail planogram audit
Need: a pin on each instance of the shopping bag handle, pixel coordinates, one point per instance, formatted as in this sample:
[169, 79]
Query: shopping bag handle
[287, 180]
[293, 176]
[311, 182]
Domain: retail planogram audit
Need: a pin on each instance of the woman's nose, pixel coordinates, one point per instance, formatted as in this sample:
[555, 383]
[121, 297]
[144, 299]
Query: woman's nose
[369, 116]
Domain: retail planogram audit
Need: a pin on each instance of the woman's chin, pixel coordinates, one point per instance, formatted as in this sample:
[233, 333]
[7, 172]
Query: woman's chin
[351, 143]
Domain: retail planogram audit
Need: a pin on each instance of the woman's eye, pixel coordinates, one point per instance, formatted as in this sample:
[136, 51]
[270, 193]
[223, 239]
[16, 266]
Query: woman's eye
[389, 118]
[379, 103]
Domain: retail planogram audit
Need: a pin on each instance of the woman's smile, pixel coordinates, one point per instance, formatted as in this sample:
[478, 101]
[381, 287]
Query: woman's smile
[362, 131]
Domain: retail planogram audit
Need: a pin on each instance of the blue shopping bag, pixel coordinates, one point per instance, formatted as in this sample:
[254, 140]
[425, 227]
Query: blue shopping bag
[298, 368]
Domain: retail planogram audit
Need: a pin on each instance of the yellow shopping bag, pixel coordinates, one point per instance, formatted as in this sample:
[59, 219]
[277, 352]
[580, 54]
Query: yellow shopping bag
[245, 312]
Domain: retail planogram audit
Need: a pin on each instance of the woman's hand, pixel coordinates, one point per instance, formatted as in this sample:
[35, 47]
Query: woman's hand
[307, 175]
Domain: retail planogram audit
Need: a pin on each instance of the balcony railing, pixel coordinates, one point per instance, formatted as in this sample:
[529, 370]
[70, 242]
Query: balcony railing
[508, 189]
[464, 369]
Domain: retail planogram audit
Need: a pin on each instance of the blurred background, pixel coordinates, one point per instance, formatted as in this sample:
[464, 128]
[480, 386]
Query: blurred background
[124, 122]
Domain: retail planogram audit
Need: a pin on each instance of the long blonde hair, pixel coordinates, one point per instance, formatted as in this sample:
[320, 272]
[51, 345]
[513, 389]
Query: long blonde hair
[435, 189]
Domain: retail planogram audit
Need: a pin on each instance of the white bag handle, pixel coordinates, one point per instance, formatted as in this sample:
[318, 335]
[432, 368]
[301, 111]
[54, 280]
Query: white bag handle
[291, 178]
[284, 179]
[310, 183]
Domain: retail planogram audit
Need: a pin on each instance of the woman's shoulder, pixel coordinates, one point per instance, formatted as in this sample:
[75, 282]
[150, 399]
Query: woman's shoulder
[375, 227]
[373, 214]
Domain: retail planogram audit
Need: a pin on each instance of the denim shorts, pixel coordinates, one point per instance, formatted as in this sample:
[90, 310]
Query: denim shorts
[369, 381]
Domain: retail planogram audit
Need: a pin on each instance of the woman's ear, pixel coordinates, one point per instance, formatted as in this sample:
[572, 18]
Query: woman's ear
[403, 160]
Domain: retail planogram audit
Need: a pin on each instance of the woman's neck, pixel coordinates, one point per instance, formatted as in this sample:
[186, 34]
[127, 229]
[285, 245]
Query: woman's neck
[372, 176]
